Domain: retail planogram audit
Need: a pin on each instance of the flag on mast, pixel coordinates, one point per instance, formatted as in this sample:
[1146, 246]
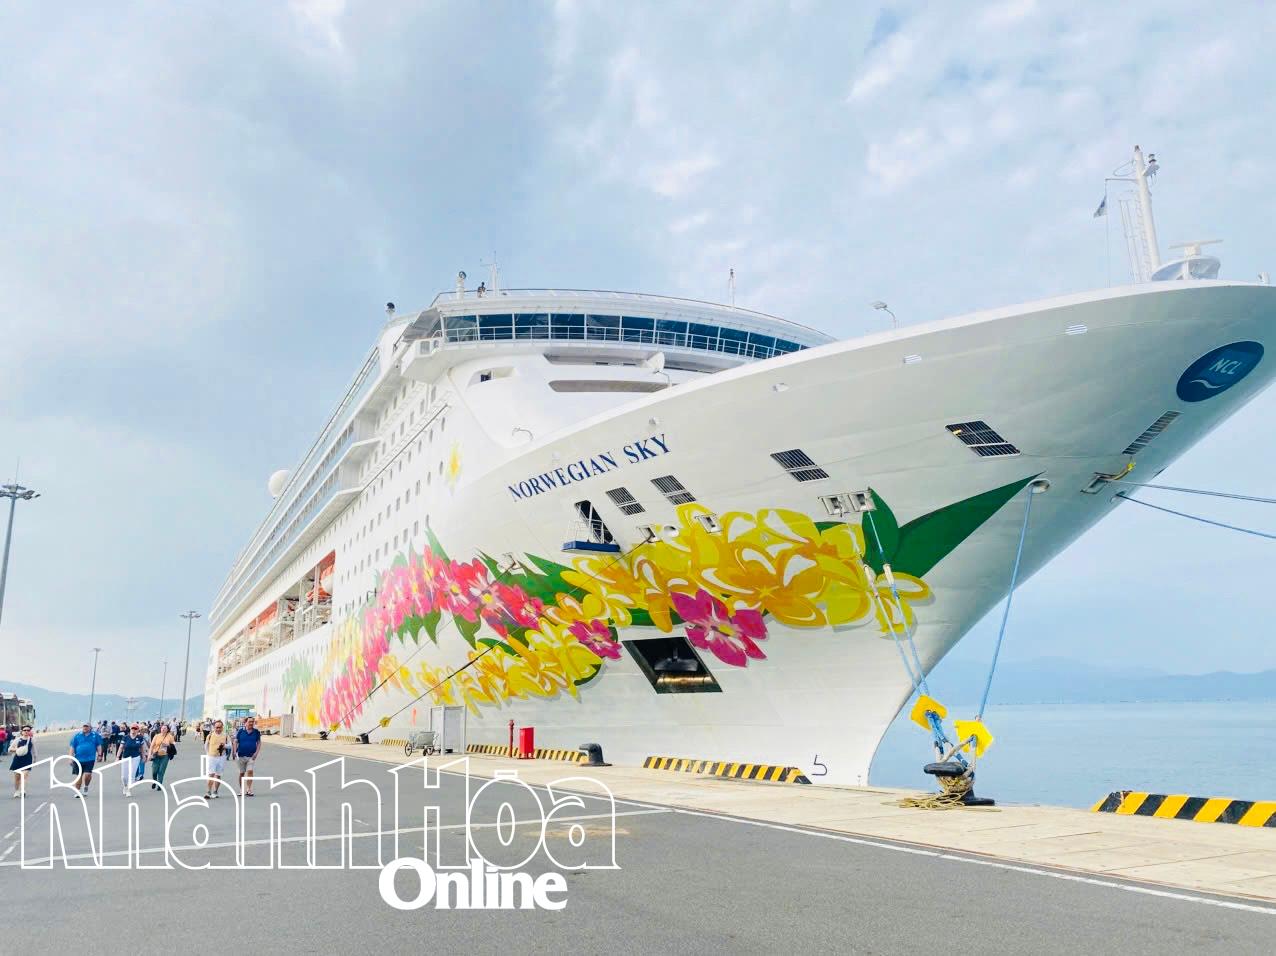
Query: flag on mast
[1103, 208]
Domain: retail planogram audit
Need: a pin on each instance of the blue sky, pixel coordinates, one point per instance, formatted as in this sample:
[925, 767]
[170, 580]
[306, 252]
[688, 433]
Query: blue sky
[206, 208]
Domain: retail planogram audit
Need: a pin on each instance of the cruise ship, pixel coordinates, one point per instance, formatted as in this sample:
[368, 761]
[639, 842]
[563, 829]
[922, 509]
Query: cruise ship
[679, 528]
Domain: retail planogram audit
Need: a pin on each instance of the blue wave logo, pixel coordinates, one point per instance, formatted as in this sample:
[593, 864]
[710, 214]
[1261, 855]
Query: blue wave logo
[1217, 371]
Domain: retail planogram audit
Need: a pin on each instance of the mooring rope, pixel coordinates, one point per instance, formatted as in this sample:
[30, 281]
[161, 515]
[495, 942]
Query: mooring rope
[920, 680]
[1209, 521]
[1202, 491]
[1005, 616]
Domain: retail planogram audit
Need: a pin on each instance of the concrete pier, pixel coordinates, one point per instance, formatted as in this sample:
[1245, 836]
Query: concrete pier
[1215, 858]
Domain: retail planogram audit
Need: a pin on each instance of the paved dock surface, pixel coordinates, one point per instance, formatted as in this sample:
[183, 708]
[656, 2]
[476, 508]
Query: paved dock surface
[718, 877]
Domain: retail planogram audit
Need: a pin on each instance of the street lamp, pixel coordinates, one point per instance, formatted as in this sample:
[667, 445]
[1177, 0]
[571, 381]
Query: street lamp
[190, 620]
[93, 684]
[163, 687]
[882, 307]
[13, 492]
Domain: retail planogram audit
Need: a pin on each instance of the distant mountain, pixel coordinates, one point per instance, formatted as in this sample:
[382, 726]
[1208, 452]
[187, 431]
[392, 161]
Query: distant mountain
[58, 707]
[1050, 680]
[1046, 680]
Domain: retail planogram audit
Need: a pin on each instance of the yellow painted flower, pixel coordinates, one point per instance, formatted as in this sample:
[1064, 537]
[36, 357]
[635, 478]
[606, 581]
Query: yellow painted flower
[473, 691]
[452, 471]
[611, 581]
[561, 653]
[567, 610]
[441, 691]
[911, 591]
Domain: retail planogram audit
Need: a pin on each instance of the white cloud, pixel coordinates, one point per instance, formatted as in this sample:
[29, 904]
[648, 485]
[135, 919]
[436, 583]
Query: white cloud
[688, 223]
[676, 179]
[1001, 15]
[891, 59]
[321, 21]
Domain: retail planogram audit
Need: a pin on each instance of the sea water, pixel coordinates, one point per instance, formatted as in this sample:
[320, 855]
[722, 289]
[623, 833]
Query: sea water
[1074, 754]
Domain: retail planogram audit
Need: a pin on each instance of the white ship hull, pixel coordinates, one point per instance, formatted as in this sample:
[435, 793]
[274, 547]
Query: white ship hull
[1071, 383]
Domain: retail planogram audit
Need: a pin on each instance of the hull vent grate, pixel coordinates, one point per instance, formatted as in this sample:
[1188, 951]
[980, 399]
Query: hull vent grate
[799, 464]
[1158, 426]
[982, 439]
[674, 490]
[626, 502]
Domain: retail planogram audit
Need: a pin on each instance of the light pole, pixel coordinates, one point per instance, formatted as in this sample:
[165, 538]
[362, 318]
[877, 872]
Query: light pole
[190, 621]
[93, 684]
[163, 687]
[883, 307]
[13, 492]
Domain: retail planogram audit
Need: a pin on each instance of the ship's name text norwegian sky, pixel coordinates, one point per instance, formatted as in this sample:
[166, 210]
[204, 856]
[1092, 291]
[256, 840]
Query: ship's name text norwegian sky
[600, 463]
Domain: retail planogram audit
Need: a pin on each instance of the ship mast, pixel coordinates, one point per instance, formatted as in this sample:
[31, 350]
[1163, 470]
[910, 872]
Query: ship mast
[1142, 172]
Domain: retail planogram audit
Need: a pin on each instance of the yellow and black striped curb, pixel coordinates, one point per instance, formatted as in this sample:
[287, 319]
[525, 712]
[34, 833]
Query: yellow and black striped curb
[722, 768]
[346, 739]
[1246, 813]
[574, 756]
[540, 753]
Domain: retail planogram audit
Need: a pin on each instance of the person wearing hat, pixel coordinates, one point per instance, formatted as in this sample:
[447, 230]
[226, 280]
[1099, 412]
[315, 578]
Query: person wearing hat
[23, 758]
[86, 748]
[133, 753]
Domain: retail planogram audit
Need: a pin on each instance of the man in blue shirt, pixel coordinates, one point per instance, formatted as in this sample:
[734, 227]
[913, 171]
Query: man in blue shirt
[86, 747]
[247, 749]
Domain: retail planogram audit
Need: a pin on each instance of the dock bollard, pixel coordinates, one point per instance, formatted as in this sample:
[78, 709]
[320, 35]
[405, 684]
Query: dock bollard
[595, 754]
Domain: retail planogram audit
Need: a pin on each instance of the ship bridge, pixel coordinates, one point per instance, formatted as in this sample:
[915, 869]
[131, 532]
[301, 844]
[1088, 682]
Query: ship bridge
[696, 329]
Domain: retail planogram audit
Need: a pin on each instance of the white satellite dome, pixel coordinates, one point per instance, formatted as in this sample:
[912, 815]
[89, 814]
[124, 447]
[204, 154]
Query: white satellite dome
[277, 482]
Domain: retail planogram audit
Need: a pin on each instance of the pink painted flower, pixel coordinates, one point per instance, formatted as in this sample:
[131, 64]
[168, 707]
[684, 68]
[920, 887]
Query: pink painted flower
[463, 587]
[597, 636]
[712, 627]
[508, 606]
[424, 584]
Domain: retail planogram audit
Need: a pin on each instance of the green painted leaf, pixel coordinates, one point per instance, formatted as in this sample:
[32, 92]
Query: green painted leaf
[497, 642]
[881, 533]
[545, 566]
[435, 546]
[545, 580]
[468, 629]
[408, 629]
[927, 540]
[431, 624]
[641, 618]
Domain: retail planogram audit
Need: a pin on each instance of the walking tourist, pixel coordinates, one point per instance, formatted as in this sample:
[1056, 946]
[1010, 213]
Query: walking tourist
[216, 744]
[133, 752]
[4, 741]
[247, 748]
[163, 749]
[86, 747]
[23, 756]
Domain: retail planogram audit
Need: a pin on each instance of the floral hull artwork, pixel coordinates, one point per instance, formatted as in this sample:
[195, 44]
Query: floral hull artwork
[541, 629]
